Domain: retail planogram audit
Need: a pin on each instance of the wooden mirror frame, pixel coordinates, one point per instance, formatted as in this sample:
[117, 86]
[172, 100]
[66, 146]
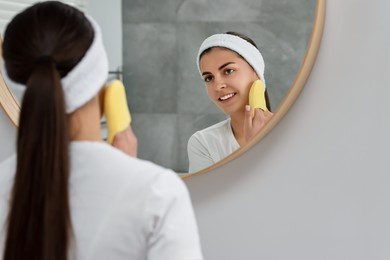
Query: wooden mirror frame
[292, 94]
[11, 107]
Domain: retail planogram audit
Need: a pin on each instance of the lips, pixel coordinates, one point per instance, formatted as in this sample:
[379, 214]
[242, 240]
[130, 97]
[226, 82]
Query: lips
[226, 97]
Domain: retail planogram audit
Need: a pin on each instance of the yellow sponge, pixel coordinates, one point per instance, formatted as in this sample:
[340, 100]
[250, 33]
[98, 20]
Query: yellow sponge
[256, 96]
[116, 109]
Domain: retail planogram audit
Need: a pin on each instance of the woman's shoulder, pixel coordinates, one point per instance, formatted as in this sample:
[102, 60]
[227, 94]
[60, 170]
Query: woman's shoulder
[101, 159]
[204, 141]
[218, 128]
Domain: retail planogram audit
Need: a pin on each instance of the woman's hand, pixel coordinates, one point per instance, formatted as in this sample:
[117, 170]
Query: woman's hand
[252, 125]
[126, 141]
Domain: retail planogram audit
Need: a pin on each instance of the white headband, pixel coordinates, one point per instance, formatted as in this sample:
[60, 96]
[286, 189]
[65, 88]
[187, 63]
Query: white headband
[89, 75]
[249, 52]
[85, 80]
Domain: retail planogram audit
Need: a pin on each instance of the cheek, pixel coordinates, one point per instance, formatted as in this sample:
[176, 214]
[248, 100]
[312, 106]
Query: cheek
[243, 85]
[209, 92]
[244, 89]
[250, 78]
[212, 95]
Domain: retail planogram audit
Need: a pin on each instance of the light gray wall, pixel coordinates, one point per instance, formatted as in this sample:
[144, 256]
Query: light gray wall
[317, 187]
[166, 94]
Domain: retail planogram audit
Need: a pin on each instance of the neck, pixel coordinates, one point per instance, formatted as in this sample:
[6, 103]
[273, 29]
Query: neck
[237, 123]
[85, 122]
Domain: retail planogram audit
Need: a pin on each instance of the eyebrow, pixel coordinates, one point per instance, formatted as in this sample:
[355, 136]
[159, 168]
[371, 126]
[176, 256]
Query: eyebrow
[221, 67]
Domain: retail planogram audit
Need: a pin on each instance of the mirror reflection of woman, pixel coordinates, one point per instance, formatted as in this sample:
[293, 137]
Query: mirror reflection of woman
[228, 63]
[67, 194]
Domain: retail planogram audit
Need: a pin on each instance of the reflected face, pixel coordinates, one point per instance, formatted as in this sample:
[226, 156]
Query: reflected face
[228, 78]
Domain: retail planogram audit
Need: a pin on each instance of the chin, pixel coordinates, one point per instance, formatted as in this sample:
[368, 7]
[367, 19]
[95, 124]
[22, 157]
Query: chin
[228, 112]
[232, 109]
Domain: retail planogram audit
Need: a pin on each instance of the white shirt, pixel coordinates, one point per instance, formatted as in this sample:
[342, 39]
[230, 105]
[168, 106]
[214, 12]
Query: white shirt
[121, 207]
[211, 145]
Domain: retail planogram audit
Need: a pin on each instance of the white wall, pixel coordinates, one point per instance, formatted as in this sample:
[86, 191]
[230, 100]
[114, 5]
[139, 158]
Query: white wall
[318, 186]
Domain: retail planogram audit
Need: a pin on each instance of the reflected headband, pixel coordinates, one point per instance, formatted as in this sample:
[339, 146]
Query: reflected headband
[244, 48]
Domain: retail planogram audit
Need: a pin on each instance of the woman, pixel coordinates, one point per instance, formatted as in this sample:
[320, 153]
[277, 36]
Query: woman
[228, 63]
[66, 194]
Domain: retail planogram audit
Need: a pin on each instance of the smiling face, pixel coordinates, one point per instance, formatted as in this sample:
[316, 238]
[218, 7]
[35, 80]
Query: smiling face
[228, 78]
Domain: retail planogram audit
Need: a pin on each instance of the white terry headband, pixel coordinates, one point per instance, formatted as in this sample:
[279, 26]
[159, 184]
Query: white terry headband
[89, 75]
[249, 52]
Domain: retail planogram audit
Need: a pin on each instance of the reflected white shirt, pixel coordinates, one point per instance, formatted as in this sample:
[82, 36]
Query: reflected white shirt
[210, 145]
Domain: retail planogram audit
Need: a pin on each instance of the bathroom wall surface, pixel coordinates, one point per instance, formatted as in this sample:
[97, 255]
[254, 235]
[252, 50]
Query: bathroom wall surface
[317, 187]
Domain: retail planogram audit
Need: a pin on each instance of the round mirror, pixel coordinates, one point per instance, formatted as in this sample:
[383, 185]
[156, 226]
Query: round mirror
[167, 96]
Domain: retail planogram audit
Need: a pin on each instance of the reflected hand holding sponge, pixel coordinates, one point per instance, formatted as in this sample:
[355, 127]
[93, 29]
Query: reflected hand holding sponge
[257, 96]
[116, 109]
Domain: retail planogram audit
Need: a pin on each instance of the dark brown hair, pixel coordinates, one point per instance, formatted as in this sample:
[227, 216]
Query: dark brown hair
[242, 36]
[41, 45]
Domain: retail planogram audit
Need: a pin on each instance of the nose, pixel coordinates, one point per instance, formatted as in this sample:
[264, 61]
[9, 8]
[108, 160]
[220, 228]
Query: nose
[219, 84]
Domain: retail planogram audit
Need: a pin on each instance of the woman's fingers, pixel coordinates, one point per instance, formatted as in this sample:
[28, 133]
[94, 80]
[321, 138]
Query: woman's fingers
[253, 124]
[268, 115]
[248, 116]
[126, 141]
[258, 119]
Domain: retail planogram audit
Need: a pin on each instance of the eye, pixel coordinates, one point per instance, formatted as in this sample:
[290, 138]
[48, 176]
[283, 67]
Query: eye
[228, 71]
[208, 78]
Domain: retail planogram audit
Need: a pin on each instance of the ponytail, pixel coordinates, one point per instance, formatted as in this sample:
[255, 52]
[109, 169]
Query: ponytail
[38, 221]
[39, 225]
